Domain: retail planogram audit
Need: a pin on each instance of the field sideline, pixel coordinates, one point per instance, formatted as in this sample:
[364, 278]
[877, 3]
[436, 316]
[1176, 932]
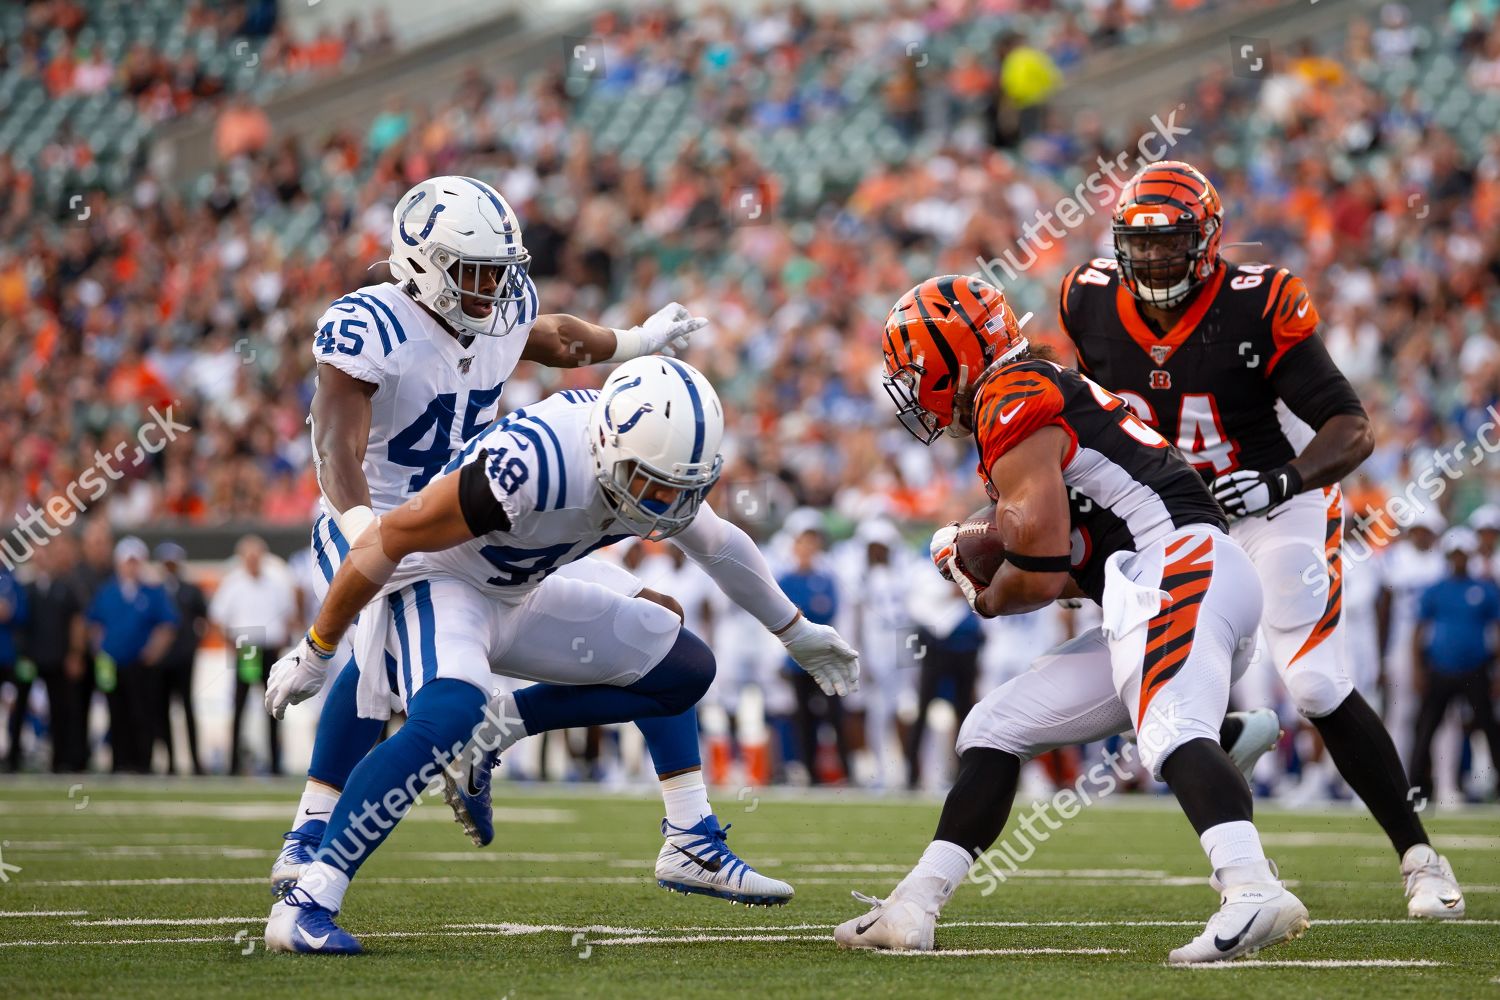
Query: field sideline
[130, 890]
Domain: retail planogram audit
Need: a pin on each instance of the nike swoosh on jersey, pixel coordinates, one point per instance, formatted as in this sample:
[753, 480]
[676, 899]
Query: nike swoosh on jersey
[1006, 417]
[1226, 944]
[710, 864]
[1303, 311]
[316, 942]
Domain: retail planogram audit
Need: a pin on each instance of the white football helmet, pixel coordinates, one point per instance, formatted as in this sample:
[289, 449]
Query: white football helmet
[654, 434]
[451, 239]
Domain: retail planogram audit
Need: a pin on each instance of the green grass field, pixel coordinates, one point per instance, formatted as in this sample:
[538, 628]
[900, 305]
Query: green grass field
[128, 890]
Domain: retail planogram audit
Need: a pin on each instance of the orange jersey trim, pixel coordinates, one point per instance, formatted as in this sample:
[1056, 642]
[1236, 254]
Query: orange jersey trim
[1139, 332]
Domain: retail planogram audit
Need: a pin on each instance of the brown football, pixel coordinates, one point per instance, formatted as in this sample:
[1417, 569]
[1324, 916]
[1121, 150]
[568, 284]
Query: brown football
[978, 544]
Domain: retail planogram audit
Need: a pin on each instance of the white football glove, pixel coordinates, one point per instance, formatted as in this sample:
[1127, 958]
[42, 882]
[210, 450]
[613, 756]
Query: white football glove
[941, 548]
[296, 677]
[953, 570]
[824, 654]
[665, 331]
[1247, 493]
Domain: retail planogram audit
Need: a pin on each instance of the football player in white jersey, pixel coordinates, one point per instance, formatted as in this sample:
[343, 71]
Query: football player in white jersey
[407, 372]
[458, 582]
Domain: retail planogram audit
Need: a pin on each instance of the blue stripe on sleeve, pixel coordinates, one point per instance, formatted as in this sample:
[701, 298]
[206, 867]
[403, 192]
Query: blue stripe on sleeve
[390, 314]
[354, 299]
[324, 565]
[542, 476]
[562, 469]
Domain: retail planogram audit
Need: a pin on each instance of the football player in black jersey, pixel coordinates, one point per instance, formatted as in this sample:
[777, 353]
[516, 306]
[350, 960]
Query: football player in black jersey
[1085, 492]
[1224, 360]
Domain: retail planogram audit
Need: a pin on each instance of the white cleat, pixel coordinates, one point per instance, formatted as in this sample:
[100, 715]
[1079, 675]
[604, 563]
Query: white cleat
[298, 924]
[1252, 916]
[1431, 889]
[900, 922]
[697, 860]
[1261, 730]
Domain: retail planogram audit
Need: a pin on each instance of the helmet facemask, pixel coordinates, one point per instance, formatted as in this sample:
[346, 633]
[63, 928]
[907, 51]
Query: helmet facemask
[1161, 265]
[902, 386]
[494, 285]
[633, 486]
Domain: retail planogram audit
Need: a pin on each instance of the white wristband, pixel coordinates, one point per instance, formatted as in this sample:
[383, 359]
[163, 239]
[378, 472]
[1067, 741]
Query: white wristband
[627, 345]
[353, 522]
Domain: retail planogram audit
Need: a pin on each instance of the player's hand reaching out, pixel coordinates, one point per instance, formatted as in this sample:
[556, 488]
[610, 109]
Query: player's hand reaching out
[297, 676]
[824, 654]
[667, 330]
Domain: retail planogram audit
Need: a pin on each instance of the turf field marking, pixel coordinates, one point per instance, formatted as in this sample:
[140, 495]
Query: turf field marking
[1309, 838]
[167, 921]
[119, 941]
[1318, 963]
[513, 929]
[967, 952]
[710, 938]
[256, 812]
[44, 913]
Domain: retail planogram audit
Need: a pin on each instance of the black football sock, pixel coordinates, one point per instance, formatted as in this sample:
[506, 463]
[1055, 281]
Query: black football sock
[1230, 731]
[979, 803]
[1366, 758]
[1210, 789]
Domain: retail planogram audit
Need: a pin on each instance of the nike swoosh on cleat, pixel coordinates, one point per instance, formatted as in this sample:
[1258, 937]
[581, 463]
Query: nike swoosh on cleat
[861, 928]
[1450, 901]
[710, 864]
[316, 942]
[1227, 944]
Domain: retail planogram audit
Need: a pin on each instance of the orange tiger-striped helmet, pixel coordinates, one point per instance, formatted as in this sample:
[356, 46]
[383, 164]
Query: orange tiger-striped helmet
[941, 338]
[1167, 227]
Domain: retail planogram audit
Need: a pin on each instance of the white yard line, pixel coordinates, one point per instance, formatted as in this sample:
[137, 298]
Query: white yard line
[259, 811]
[967, 952]
[706, 939]
[43, 913]
[1318, 963]
[168, 921]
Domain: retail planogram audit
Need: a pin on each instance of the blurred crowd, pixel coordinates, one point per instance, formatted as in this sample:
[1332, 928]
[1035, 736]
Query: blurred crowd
[203, 301]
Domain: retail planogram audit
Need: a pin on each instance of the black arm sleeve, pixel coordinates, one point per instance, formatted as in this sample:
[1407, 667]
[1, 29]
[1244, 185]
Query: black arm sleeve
[1312, 386]
[482, 512]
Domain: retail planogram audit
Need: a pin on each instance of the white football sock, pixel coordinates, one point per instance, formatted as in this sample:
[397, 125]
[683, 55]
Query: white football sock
[317, 802]
[686, 799]
[325, 884]
[945, 861]
[1234, 849]
[502, 727]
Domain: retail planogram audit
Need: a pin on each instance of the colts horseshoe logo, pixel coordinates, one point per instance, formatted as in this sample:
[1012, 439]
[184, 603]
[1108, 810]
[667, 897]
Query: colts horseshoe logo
[427, 229]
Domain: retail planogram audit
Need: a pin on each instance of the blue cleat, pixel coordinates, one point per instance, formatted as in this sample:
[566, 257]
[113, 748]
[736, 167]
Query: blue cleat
[300, 925]
[466, 789]
[698, 860]
[297, 848]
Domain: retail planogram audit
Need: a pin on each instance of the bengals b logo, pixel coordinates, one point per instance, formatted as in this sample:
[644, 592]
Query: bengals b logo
[1161, 379]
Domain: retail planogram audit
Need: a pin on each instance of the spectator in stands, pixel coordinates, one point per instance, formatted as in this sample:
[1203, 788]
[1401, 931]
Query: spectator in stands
[177, 664]
[132, 626]
[950, 640]
[243, 129]
[15, 667]
[255, 610]
[815, 593]
[1453, 650]
[56, 641]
